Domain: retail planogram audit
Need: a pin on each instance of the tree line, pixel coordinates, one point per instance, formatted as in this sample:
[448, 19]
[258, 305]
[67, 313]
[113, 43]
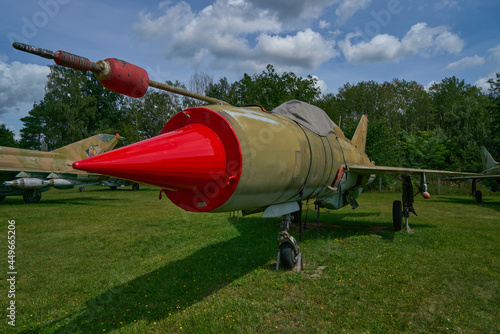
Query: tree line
[409, 126]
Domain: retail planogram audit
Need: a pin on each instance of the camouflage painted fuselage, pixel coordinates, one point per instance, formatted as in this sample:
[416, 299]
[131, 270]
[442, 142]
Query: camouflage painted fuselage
[290, 162]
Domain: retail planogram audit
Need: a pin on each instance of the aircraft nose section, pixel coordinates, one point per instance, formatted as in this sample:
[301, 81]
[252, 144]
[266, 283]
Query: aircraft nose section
[186, 158]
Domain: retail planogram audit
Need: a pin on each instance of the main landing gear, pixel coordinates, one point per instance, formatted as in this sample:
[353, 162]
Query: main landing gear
[403, 208]
[32, 196]
[476, 193]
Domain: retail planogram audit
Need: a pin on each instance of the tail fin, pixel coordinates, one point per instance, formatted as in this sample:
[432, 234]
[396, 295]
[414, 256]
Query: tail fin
[359, 138]
[488, 161]
[89, 147]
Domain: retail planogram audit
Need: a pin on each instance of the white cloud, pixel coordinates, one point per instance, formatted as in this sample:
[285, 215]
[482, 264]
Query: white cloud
[288, 10]
[426, 41]
[446, 4]
[420, 40]
[323, 24]
[494, 62]
[466, 63]
[495, 52]
[21, 83]
[429, 85]
[347, 8]
[483, 83]
[223, 36]
[321, 84]
[174, 17]
[380, 48]
[307, 49]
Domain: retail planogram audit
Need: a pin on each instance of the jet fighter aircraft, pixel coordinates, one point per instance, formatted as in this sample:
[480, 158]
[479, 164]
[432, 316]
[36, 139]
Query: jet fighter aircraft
[29, 173]
[222, 158]
[490, 176]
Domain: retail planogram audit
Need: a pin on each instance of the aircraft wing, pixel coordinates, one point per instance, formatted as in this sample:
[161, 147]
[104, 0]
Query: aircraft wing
[384, 170]
[475, 176]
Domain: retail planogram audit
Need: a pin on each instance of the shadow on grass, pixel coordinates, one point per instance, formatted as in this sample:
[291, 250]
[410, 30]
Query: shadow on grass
[176, 286]
[343, 225]
[492, 202]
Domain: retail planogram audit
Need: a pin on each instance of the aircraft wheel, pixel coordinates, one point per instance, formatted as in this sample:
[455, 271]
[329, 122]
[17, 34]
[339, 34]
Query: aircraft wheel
[2, 198]
[112, 188]
[287, 255]
[479, 196]
[135, 186]
[81, 189]
[397, 215]
[32, 196]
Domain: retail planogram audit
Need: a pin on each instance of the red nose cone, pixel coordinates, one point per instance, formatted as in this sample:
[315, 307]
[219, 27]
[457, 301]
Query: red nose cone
[181, 159]
[198, 164]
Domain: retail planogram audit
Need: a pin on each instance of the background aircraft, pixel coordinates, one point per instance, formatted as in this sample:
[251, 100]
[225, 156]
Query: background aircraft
[114, 183]
[220, 158]
[490, 177]
[29, 173]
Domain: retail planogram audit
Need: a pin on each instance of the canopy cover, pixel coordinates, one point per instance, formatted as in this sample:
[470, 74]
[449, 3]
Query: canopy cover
[312, 117]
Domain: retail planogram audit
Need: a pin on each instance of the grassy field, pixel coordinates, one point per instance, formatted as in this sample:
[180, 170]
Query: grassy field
[124, 262]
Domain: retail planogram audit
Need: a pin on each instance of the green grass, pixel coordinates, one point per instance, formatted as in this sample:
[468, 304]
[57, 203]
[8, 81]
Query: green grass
[125, 262]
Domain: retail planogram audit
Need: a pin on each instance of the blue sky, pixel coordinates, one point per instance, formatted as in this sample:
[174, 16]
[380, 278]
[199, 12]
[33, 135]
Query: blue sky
[337, 41]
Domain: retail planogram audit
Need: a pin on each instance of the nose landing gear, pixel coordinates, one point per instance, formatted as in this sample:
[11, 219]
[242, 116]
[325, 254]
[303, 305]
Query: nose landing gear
[289, 254]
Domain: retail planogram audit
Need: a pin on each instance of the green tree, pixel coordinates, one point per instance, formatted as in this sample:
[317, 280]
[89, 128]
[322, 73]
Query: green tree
[145, 117]
[268, 89]
[424, 149]
[35, 125]
[75, 106]
[220, 90]
[494, 94]
[330, 105]
[7, 137]
[463, 112]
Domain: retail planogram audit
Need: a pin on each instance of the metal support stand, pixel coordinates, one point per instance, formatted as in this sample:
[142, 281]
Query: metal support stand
[300, 264]
[307, 213]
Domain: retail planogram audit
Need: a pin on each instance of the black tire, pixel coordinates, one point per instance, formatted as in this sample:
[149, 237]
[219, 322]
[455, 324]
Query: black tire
[32, 196]
[81, 189]
[287, 256]
[479, 196]
[397, 215]
[112, 188]
[135, 186]
[2, 198]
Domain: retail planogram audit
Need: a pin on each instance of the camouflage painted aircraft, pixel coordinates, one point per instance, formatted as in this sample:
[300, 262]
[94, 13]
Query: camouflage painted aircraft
[29, 173]
[223, 158]
[490, 177]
